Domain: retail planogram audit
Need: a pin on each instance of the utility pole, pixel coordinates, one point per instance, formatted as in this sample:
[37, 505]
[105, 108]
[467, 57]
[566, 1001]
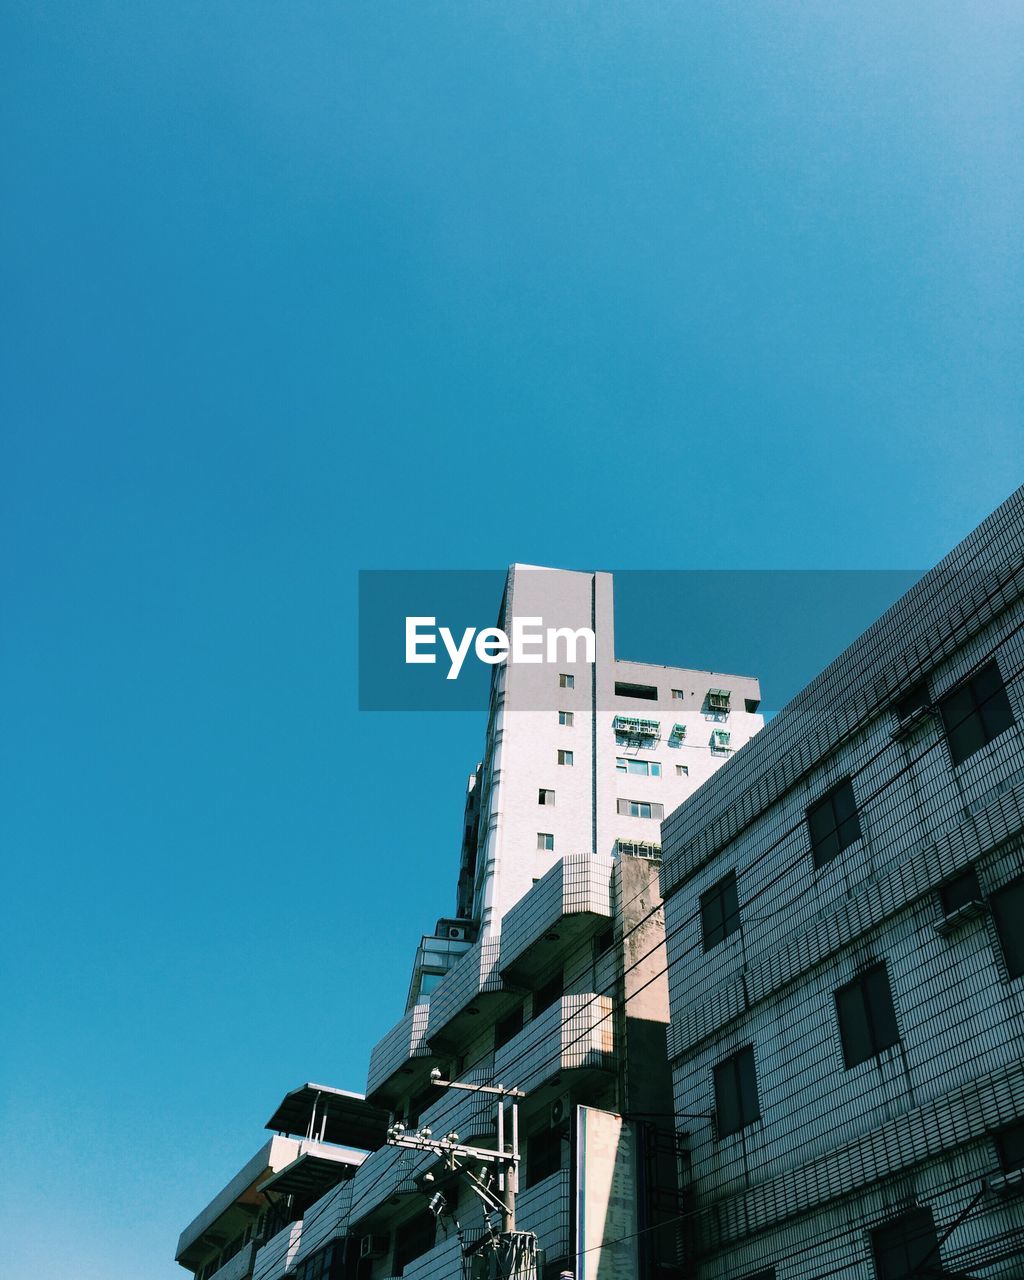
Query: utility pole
[510, 1253]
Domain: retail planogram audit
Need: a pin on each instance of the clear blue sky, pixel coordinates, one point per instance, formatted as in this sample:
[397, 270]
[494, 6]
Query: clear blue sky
[294, 289]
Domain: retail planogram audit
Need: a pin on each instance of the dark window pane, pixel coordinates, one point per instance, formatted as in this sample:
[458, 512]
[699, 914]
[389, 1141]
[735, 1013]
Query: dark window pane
[543, 1155]
[1008, 912]
[881, 1012]
[959, 891]
[719, 911]
[727, 1103]
[913, 700]
[853, 1025]
[902, 1247]
[867, 1017]
[711, 918]
[730, 905]
[833, 823]
[975, 712]
[821, 819]
[1010, 1145]
[957, 707]
[544, 997]
[736, 1102]
[967, 738]
[412, 1239]
[827, 849]
[508, 1027]
[844, 803]
[995, 712]
[747, 1081]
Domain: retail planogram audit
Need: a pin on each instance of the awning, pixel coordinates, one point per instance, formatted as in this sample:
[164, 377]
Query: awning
[331, 1115]
[310, 1177]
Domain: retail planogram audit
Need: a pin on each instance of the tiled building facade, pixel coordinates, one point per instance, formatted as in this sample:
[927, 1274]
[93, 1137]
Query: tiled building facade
[845, 930]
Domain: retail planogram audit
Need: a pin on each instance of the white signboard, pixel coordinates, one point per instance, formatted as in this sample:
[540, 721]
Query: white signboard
[606, 1218]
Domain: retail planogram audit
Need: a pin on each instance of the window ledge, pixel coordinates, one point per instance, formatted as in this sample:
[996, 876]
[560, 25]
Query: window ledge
[914, 721]
[956, 919]
[1007, 1184]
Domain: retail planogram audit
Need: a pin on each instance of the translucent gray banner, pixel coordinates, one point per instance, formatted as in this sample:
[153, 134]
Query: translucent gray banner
[431, 640]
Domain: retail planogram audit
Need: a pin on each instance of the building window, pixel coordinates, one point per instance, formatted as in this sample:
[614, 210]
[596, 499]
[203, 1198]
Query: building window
[907, 1248]
[544, 997]
[718, 699]
[720, 739]
[544, 796]
[1010, 1147]
[761, 1275]
[508, 1027]
[604, 940]
[412, 1240]
[736, 1103]
[566, 718]
[545, 840]
[638, 849]
[1007, 906]
[975, 712]
[646, 691]
[566, 681]
[833, 823]
[645, 768]
[678, 694]
[867, 1017]
[960, 891]
[641, 809]
[719, 911]
[682, 770]
[914, 700]
[323, 1265]
[543, 1155]
[565, 757]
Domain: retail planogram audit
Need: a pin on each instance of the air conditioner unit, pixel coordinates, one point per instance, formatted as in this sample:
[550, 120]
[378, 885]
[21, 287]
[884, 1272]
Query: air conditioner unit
[373, 1246]
[560, 1112]
[1008, 1184]
[455, 930]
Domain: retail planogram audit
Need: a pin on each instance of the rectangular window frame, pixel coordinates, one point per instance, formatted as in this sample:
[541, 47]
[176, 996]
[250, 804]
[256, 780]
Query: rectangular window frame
[975, 712]
[630, 764]
[1007, 906]
[719, 912]
[866, 1016]
[833, 823]
[737, 1104]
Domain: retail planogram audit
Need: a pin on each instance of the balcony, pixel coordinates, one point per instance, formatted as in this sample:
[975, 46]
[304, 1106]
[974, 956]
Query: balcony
[545, 1210]
[403, 1053]
[473, 1116]
[568, 905]
[240, 1266]
[276, 1257]
[472, 987]
[385, 1181]
[573, 1036]
[444, 1260]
